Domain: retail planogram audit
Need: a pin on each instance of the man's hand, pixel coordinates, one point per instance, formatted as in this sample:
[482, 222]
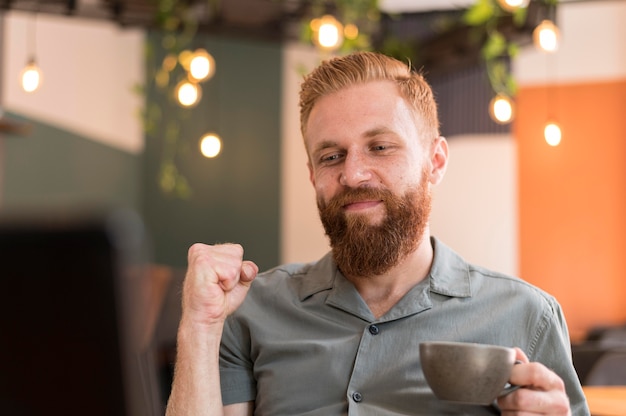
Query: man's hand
[543, 391]
[216, 283]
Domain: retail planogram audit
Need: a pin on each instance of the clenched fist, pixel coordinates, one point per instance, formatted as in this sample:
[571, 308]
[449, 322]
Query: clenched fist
[216, 283]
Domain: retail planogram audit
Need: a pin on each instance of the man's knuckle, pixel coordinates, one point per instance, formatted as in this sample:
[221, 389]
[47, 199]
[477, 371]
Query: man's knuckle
[195, 249]
[523, 399]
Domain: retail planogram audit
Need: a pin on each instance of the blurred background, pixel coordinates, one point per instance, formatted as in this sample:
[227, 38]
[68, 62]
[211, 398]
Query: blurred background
[117, 117]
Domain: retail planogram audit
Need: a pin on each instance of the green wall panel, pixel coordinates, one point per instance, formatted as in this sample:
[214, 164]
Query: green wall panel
[234, 197]
[53, 168]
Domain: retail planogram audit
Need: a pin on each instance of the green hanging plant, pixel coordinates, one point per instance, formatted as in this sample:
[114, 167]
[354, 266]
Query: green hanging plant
[497, 50]
[161, 116]
[362, 14]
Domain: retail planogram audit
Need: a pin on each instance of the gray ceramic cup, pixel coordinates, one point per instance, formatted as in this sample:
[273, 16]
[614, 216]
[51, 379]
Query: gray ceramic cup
[466, 372]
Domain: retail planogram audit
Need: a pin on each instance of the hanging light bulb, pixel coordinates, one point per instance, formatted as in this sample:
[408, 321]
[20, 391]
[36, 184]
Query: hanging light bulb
[184, 58]
[513, 5]
[169, 62]
[327, 32]
[201, 66]
[188, 93]
[210, 145]
[31, 76]
[502, 109]
[552, 133]
[546, 36]
[351, 31]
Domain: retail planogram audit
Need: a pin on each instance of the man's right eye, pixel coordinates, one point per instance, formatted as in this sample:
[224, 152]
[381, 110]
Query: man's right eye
[330, 157]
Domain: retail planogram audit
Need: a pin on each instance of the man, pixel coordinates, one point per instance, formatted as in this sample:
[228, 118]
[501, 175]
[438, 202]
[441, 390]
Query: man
[341, 335]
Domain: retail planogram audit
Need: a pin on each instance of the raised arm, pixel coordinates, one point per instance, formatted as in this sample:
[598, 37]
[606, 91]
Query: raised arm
[216, 283]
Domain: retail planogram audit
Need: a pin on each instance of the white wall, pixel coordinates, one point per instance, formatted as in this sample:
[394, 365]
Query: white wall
[475, 206]
[302, 234]
[591, 47]
[89, 68]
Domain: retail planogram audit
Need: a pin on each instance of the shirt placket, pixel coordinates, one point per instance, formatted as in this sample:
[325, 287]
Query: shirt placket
[363, 370]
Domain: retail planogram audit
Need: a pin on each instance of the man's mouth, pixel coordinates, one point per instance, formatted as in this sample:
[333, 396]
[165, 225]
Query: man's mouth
[361, 205]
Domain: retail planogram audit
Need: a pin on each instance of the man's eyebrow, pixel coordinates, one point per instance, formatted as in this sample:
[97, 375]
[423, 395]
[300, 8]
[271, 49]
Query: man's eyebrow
[326, 144]
[378, 131]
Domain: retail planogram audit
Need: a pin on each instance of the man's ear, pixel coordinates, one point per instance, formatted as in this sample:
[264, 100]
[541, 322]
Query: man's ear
[438, 159]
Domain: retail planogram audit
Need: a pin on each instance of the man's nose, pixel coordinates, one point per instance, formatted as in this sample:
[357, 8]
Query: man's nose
[356, 171]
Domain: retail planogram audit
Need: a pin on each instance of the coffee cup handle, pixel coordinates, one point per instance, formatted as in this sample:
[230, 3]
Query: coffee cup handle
[510, 388]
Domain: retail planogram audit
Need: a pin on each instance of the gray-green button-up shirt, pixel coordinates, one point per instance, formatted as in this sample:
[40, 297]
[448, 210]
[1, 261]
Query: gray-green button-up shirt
[305, 343]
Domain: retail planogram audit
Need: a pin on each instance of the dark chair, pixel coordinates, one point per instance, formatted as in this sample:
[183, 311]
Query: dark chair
[609, 369]
[585, 356]
[599, 341]
[613, 337]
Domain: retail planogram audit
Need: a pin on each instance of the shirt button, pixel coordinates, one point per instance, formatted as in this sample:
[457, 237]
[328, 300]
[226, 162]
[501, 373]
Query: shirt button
[357, 397]
[374, 330]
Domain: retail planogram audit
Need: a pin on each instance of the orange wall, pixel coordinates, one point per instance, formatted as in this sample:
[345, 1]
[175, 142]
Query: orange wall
[572, 197]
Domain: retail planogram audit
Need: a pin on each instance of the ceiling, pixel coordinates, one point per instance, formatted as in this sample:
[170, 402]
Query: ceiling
[254, 19]
[278, 20]
[267, 19]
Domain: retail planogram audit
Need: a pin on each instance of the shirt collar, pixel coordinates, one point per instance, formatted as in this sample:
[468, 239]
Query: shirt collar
[449, 274]
[317, 277]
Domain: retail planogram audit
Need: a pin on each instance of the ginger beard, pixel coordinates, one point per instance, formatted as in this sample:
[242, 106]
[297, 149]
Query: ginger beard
[362, 249]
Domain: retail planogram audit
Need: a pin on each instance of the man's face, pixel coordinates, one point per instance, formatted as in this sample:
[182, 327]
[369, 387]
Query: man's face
[372, 172]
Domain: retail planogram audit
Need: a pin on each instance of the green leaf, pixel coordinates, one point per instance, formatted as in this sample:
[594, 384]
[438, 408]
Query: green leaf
[167, 177]
[399, 49]
[494, 46]
[513, 50]
[519, 16]
[183, 190]
[511, 86]
[306, 33]
[499, 72]
[478, 14]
